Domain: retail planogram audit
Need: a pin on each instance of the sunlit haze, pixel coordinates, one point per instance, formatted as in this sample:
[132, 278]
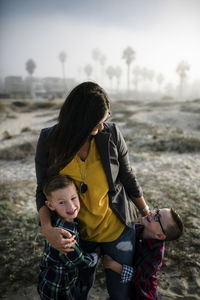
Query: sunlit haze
[161, 32]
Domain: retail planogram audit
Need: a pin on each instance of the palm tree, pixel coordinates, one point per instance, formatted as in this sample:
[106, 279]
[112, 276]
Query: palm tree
[182, 69]
[30, 66]
[137, 72]
[102, 61]
[88, 70]
[110, 71]
[150, 76]
[96, 54]
[62, 58]
[144, 73]
[118, 74]
[128, 56]
[160, 79]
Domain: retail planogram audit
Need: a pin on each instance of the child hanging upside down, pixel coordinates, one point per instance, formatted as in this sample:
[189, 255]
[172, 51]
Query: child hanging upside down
[158, 226]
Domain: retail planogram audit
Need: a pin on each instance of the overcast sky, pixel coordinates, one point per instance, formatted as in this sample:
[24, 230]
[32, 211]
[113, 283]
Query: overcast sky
[162, 33]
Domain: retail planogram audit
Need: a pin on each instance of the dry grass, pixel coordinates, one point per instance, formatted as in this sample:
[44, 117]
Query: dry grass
[19, 151]
[21, 251]
[175, 143]
[20, 246]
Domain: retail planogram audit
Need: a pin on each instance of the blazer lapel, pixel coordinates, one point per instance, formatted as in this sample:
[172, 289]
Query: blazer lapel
[102, 143]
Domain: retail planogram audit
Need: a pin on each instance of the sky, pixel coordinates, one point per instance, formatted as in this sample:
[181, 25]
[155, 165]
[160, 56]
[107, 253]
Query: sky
[161, 32]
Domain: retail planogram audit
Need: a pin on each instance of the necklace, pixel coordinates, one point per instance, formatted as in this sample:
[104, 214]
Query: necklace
[83, 186]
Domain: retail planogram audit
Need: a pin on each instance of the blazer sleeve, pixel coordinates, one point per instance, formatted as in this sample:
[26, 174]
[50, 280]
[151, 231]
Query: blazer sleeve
[41, 166]
[126, 173]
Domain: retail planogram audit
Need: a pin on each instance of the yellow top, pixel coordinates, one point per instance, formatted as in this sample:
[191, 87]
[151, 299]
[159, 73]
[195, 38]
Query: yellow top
[96, 220]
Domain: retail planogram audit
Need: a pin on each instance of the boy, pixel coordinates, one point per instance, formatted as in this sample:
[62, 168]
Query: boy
[58, 278]
[158, 226]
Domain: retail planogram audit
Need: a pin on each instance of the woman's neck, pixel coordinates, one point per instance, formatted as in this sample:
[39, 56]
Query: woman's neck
[84, 150]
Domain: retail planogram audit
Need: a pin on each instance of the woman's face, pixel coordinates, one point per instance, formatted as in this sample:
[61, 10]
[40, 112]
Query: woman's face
[100, 125]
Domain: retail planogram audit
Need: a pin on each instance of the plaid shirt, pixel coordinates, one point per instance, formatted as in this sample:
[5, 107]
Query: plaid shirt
[148, 259]
[58, 272]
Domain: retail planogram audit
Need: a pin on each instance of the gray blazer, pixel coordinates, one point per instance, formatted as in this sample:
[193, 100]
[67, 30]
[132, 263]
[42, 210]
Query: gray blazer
[123, 185]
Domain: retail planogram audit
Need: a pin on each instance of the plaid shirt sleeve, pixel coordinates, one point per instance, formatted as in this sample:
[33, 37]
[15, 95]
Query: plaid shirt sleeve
[128, 274]
[79, 259]
[59, 272]
[76, 258]
[145, 281]
[151, 263]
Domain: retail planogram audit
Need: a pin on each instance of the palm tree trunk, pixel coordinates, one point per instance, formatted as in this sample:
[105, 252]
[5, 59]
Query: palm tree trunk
[128, 77]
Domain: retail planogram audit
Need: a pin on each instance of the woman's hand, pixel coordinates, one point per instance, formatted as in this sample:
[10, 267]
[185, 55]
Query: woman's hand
[145, 213]
[60, 239]
[141, 205]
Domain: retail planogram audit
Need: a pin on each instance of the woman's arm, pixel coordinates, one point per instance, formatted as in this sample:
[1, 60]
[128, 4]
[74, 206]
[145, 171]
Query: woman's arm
[57, 237]
[127, 176]
[141, 205]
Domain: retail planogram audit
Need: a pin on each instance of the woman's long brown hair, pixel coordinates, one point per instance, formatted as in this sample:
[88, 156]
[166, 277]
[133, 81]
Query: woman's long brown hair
[82, 110]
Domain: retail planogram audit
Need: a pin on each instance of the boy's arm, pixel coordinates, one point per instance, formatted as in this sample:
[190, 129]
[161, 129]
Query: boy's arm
[148, 267]
[127, 272]
[112, 264]
[78, 258]
[150, 264]
[145, 280]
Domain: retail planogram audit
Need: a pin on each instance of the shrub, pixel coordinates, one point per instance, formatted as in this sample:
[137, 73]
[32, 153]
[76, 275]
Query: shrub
[18, 151]
[19, 103]
[178, 144]
[41, 105]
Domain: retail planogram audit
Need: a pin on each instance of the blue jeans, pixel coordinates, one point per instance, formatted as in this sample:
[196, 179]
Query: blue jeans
[121, 250]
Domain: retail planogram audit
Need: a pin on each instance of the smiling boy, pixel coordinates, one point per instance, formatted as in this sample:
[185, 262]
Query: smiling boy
[158, 226]
[59, 273]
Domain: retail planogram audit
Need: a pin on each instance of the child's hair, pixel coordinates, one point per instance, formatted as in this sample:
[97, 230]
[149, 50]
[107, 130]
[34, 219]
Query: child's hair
[56, 182]
[174, 231]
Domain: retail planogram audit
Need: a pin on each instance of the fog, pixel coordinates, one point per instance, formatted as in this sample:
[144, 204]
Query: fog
[162, 34]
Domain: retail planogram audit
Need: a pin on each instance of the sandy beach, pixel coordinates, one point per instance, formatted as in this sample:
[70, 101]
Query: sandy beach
[163, 138]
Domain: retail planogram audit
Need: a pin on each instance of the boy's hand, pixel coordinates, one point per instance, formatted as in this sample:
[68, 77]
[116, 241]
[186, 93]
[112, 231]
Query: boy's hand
[107, 261]
[112, 264]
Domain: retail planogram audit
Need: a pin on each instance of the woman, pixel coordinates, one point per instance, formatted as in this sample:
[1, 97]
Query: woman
[93, 153]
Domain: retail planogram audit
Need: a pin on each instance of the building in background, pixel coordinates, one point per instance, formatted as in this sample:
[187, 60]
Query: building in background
[14, 86]
[35, 87]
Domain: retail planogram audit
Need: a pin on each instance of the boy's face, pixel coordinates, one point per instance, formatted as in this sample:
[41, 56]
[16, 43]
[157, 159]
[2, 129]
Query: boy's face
[65, 202]
[152, 225]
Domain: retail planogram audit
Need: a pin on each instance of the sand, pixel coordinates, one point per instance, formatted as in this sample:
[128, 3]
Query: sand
[164, 145]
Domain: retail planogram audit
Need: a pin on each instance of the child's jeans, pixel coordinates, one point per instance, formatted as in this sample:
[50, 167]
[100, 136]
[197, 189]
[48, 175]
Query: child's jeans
[121, 250]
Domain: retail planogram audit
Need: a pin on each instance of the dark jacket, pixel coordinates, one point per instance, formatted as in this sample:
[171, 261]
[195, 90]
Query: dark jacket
[114, 157]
